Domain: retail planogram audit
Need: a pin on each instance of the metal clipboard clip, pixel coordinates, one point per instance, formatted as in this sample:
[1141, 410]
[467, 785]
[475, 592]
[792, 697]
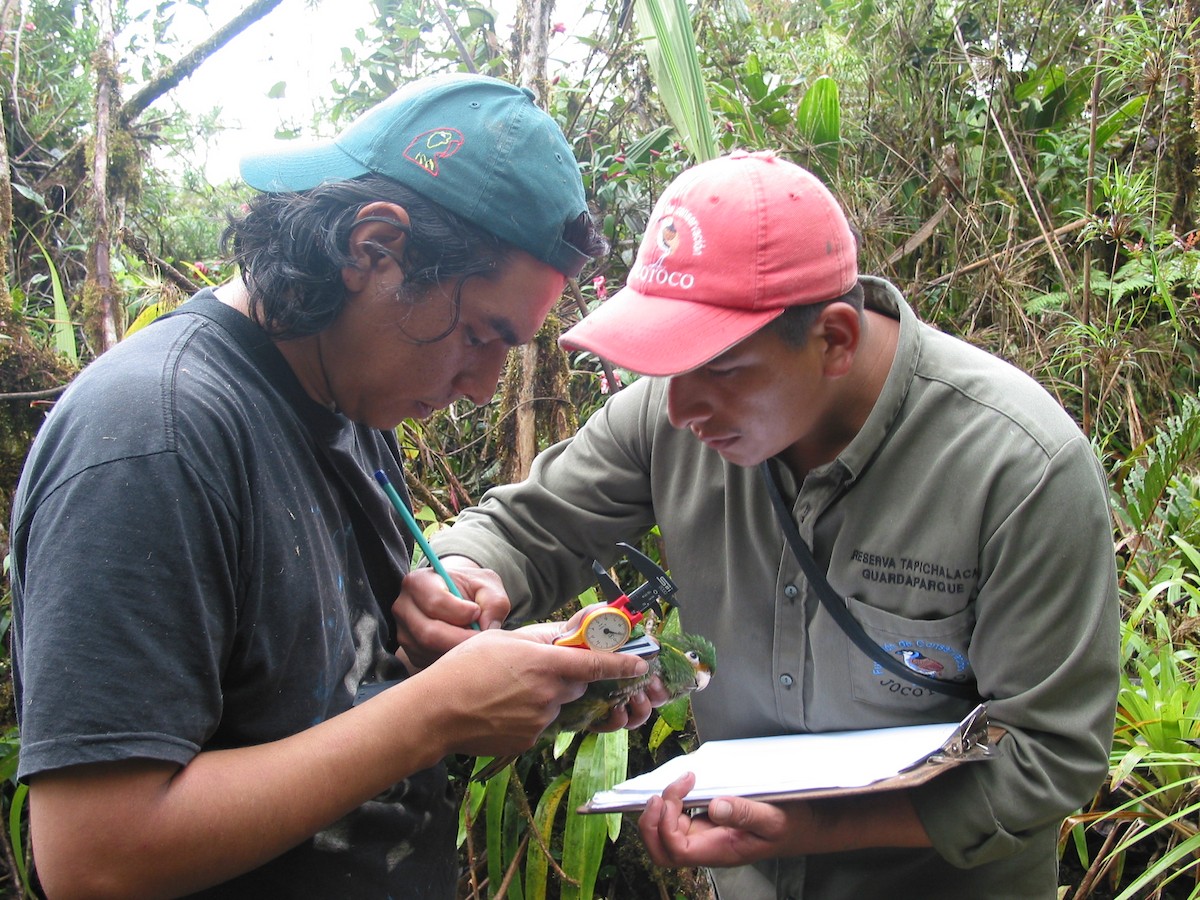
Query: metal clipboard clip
[970, 740]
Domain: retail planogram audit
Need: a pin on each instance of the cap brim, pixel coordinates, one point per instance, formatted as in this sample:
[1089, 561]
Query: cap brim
[300, 167]
[653, 336]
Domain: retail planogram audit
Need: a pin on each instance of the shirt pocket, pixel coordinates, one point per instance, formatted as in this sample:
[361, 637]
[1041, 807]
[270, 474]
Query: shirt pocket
[934, 648]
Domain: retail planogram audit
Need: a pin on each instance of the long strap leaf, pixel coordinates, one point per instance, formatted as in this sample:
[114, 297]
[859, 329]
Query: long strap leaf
[666, 26]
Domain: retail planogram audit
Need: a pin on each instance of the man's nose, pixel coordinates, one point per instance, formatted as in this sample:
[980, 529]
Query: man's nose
[686, 403]
[480, 377]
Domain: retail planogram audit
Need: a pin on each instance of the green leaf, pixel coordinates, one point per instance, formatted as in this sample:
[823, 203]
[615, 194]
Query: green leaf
[675, 713]
[30, 194]
[670, 45]
[599, 764]
[562, 743]
[660, 732]
[64, 328]
[144, 318]
[472, 802]
[278, 90]
[1125, 115]
[638, 152]
[496, 795]
[15, 836]
[9, 760]
[537, 867]
[819, 120]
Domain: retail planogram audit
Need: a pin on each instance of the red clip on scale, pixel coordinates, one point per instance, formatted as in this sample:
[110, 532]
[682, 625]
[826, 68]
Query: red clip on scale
[608, 628]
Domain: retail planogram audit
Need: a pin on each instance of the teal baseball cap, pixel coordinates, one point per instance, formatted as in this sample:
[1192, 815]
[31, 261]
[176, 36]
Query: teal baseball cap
[476, 145]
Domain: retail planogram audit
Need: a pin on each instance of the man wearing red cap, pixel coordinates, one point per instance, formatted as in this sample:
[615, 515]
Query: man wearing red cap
[203, 563]
[955, 512]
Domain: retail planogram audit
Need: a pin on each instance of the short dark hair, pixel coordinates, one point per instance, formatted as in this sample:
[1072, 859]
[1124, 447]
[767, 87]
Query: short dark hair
[796, 322]
[291, 248]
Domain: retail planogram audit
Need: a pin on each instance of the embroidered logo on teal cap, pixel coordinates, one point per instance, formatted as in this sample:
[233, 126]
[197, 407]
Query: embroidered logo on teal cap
[427, 148]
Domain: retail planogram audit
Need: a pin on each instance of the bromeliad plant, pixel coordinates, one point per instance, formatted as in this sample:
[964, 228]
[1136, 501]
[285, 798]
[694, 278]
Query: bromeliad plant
[528, 840]
[1147, 816]
[1155, 766]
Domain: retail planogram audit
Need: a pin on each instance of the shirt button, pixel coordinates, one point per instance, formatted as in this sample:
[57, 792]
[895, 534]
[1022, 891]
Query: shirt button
[786, 680]
[791, 592]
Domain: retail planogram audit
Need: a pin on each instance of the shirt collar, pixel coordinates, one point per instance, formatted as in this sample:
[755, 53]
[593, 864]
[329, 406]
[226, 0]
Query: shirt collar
[882, 296]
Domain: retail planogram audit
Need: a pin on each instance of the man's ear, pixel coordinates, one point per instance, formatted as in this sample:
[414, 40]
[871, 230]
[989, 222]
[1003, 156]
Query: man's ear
[839, 328]
[376, 244]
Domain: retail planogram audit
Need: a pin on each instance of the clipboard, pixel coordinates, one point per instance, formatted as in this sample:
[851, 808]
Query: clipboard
[811, 766]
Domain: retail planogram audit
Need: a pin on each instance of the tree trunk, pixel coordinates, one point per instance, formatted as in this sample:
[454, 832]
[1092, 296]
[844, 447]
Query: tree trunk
[101, 303]
[535, 392]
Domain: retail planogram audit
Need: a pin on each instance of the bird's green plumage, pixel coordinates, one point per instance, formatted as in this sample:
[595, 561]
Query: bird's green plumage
[684, 663]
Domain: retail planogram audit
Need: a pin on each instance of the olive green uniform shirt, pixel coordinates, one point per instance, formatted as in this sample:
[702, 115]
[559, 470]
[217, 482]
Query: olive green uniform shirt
[968, 526]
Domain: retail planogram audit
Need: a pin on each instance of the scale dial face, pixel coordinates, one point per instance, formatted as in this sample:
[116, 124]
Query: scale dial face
[606, 629]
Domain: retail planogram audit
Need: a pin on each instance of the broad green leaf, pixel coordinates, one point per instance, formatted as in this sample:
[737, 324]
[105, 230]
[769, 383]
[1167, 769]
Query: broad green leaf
[675, 713]
[1124, 116]
[584, 836]
[819, 120]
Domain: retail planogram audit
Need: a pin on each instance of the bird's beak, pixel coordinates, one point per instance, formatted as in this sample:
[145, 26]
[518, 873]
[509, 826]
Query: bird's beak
[702, 678]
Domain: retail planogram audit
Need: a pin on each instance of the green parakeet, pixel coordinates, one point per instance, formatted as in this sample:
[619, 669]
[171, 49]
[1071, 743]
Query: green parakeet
[684, 663]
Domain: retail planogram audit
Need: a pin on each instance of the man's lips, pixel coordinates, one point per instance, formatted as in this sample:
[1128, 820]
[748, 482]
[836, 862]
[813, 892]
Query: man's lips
[717, 442]
[427, 408]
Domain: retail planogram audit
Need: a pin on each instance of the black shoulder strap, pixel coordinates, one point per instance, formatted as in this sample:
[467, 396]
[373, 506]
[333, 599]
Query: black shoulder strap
[836, 606]
[384, 569]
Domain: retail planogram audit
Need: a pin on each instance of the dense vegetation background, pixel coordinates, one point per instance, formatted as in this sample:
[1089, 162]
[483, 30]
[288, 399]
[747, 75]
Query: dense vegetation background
[1025, 172]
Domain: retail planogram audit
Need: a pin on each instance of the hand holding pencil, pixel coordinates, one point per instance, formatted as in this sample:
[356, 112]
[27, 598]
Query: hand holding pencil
[415, 529]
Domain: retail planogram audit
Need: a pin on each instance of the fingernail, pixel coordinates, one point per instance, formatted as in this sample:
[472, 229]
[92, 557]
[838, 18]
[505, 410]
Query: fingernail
[720, 809]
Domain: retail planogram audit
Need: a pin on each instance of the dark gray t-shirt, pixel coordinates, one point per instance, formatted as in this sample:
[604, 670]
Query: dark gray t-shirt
[202, 559]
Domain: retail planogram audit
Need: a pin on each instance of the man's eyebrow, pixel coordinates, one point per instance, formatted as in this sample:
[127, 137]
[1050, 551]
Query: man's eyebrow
[505, 331]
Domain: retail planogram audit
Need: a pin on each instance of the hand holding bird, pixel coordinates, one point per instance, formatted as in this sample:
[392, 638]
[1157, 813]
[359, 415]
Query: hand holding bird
[684, 663]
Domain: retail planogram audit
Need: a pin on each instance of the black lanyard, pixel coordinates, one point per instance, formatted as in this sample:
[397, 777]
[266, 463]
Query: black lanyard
[837, 608]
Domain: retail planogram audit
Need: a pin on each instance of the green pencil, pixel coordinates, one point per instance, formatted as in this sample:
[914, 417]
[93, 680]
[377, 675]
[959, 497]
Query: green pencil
[415, 530]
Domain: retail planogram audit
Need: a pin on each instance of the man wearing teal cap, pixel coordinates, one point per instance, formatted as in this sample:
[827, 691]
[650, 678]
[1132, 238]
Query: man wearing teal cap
[203, 564]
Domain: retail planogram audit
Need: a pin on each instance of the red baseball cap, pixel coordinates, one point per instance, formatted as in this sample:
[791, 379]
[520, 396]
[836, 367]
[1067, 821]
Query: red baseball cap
[730, 245]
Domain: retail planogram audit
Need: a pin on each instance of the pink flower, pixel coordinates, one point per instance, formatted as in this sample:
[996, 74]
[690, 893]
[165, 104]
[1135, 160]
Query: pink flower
[559, 28]
[604, 386]
[600, 283]
[30, 27]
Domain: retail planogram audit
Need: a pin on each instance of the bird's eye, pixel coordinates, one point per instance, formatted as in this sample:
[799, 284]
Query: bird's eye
[693, 656]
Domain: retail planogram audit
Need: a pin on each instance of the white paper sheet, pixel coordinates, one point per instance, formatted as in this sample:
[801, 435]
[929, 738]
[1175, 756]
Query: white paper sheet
[787, 763]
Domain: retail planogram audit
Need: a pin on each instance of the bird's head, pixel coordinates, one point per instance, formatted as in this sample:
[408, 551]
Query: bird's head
[684, 658]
